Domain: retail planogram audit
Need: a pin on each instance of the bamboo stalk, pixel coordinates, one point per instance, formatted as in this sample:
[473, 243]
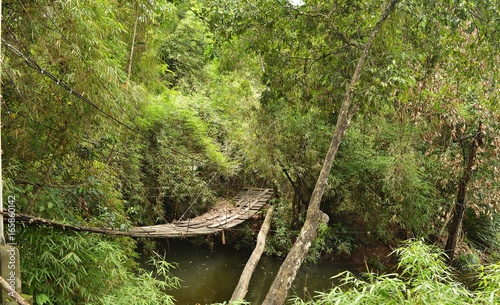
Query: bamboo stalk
[12, 293]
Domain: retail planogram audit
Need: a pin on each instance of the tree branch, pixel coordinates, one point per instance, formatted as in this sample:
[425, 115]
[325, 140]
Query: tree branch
[347, 40]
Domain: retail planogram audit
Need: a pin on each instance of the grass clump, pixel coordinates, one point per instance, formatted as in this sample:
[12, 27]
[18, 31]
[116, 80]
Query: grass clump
[424, 279]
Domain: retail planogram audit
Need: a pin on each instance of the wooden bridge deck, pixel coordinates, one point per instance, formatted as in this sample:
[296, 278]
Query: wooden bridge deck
[246, 204]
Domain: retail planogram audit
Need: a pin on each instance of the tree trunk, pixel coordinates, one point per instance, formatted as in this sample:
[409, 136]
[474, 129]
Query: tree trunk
[242, 288]
[458, 212]
[298, 201]
[278, 292]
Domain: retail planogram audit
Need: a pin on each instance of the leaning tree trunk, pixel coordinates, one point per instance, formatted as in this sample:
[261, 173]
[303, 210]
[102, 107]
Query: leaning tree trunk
[279, 289]
[458, 211]
[242, 287]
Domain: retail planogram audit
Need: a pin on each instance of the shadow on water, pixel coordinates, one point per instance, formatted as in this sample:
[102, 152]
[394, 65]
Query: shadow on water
[210, 276]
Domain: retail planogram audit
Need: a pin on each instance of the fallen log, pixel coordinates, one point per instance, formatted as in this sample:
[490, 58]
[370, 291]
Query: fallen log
[242, 287]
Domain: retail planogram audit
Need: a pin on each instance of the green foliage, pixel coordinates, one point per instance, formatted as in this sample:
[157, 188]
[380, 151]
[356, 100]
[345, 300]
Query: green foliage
[468, 262]
[161, 136]
[489, 284]
[422, 85]
[245, 237]
[330, 239]
[424, 279]
[482, 230]
[83, 165]
[185, 57]
[282, 238]
[381, 177]
[320, 244]
[341, 239]
[71, 268]
[146, 288]
[222, 94]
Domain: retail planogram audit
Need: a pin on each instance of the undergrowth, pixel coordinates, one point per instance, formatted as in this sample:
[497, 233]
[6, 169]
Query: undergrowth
[76, 268]
[424, 279]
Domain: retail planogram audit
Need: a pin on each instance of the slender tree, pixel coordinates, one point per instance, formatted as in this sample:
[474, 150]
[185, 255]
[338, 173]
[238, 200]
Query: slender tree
[459, 208]
[278, 292]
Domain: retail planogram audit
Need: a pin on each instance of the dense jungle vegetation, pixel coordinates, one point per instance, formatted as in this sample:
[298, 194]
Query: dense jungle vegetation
[124, 113]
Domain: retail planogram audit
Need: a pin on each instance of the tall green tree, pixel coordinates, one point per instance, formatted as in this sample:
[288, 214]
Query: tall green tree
[417, 80]
[288, 270]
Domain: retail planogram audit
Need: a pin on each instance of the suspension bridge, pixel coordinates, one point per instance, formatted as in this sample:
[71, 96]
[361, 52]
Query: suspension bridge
[245, 205]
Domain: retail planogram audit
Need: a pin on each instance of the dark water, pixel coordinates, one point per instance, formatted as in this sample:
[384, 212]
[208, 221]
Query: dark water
[210, 276]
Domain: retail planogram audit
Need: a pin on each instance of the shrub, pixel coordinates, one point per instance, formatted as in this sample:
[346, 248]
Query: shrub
[62, 267]
[424, 279]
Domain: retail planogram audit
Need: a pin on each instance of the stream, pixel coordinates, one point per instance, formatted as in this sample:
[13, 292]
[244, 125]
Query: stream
[210, 276]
